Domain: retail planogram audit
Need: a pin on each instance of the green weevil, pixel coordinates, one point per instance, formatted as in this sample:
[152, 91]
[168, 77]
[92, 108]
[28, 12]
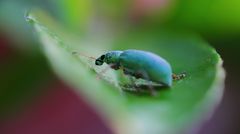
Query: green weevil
[140, 64]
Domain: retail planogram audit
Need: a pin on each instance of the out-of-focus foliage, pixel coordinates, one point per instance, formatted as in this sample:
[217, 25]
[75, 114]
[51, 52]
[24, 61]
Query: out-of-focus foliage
[19, 77]
[215, 16]
[77, 13]
[208, 17]
[212, 18]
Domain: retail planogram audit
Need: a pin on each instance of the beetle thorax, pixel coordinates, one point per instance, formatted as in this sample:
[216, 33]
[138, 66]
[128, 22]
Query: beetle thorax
[112, 57]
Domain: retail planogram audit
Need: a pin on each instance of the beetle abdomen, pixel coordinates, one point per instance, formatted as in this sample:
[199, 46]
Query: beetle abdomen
[149, 66]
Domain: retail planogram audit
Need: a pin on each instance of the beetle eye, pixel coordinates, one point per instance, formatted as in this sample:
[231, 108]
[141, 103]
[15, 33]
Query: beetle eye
[102, 57]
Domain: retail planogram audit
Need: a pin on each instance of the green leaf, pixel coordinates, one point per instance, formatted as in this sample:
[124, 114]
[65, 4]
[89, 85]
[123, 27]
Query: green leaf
[175, 110]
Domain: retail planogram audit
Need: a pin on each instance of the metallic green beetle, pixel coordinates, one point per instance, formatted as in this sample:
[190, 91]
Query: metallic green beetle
[140, 64]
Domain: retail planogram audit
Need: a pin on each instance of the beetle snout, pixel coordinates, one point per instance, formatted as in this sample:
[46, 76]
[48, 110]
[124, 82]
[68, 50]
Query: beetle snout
[98, 62]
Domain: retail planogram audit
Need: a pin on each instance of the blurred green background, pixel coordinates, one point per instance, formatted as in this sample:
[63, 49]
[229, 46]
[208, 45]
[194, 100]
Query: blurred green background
[34, 100]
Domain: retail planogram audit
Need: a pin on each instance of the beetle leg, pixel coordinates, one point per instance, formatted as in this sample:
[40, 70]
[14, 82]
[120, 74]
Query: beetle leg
[150, 87]
[81, 54]
[178, 76]
[115, 66]
[134, 84]
[127, 72]
[130, 74]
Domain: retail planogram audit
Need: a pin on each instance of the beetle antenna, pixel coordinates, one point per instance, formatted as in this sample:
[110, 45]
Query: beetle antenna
[77, 53]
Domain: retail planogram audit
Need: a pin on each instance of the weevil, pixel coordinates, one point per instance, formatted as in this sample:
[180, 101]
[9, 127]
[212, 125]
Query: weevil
[140, 64]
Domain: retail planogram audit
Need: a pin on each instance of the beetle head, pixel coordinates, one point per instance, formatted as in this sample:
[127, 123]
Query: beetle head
[111, 57]
[99, 61]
